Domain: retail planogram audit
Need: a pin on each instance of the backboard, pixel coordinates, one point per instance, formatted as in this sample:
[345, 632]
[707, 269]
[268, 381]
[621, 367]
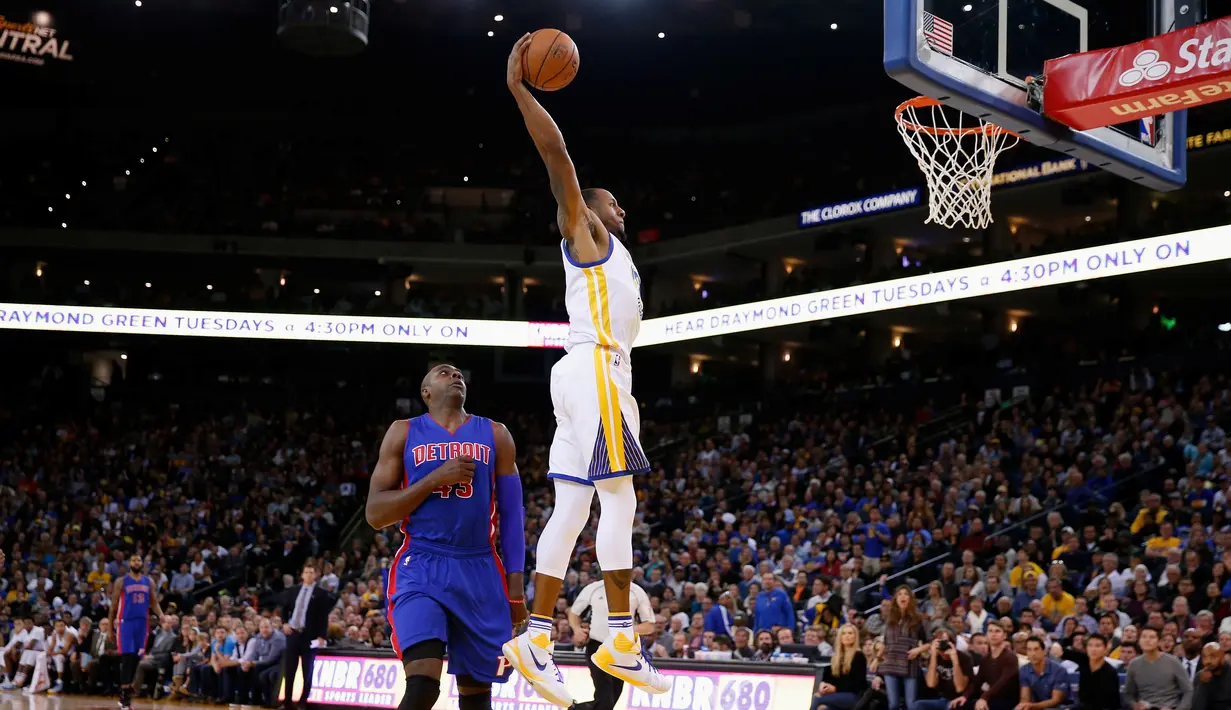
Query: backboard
[976, 56]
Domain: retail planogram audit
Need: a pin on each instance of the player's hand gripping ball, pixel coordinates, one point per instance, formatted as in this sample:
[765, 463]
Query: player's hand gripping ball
[547, 59]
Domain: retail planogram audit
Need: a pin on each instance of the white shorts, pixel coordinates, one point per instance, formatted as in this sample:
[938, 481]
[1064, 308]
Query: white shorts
[597, 419]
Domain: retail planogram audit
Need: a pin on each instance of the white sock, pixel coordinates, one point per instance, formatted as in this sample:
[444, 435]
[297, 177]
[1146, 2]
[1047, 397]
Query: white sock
[539, 625]
[621, 624]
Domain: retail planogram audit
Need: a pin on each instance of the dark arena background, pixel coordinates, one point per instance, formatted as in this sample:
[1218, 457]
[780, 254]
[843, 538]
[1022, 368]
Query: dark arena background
[235, 235]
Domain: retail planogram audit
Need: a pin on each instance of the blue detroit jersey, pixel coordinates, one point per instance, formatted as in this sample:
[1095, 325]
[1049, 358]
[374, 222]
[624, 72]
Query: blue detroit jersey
[457, 515]
[135, 601]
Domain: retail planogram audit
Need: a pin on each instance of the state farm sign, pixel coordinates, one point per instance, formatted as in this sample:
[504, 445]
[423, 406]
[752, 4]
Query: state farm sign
[1167, 73]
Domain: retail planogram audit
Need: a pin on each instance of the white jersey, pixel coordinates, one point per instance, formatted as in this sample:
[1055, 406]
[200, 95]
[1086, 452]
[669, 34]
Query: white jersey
[594, 596]
[603, 299]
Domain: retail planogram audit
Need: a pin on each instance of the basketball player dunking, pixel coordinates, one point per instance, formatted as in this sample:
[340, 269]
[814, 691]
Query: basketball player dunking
[132, 596]
[596, 445]
[451, 480]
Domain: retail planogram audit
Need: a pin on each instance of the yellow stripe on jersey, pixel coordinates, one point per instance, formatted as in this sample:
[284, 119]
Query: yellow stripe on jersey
[596, 289]
[618, 421]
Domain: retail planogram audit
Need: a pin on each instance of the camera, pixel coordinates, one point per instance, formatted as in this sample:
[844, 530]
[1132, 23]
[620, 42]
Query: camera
[943, 646]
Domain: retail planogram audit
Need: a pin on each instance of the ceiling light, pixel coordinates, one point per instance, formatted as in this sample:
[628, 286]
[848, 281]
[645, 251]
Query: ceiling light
[68, 196]
[465, 178]
[377, 293]
[316, 291]
[64, 225]
[333, 9]
[662, 35]
[209, 287]
[491, 34]
[967, 8]
[833, 26]
[83, 183]
[1088, 218]
[147, 284]
[86, 282]
[137, 3]
[123, 356]
[499, 18]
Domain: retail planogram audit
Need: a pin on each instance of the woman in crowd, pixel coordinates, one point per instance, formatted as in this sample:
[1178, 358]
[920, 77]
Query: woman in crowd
[847, 679]
[905, 639]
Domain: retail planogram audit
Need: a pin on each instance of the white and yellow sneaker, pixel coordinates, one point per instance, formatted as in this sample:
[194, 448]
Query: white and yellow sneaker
[531, 655]
[622, 656]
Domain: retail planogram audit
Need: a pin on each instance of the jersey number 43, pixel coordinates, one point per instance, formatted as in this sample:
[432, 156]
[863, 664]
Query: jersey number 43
[463, 490]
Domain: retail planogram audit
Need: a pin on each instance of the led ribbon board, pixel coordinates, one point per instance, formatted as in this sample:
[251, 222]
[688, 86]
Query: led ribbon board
[1142, 255]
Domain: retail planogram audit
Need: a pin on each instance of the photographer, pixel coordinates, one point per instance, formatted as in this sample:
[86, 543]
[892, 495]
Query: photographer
[948, 672]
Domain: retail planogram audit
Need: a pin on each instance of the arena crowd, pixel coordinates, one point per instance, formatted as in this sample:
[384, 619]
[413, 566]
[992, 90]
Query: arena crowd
[1004, 553]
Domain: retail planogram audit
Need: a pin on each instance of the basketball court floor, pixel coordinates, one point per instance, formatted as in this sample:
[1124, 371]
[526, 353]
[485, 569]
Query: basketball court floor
[13, 700]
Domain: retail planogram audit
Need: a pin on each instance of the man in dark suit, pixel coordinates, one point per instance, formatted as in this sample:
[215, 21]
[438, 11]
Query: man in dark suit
[95, 658]
[306, 608]
[1191, 658]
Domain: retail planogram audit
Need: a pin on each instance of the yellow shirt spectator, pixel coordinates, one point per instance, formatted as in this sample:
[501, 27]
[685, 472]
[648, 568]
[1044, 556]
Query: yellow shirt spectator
[1155, 543]
[1056, 609]
[98, 580]
[1015, 577]
[1145, 517]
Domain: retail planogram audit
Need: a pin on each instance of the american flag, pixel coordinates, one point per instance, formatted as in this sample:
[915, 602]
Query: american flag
[938, 32]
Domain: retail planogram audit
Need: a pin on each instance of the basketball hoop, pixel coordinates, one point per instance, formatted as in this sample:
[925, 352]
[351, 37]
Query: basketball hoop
[957, 160]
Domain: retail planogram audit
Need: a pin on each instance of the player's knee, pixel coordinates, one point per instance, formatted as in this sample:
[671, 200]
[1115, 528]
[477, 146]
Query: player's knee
[426, 650]
[421, 692]
[473, 694]
[617, 497]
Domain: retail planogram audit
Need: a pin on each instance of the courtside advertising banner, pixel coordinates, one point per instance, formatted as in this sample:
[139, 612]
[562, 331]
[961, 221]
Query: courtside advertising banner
[1171, 72]
[379, 682]
[1120, 259]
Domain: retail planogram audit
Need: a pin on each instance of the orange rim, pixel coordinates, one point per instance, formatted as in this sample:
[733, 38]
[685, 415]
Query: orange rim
[927, 102]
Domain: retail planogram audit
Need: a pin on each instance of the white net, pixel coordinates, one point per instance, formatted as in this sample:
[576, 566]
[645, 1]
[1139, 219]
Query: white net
[957, 154]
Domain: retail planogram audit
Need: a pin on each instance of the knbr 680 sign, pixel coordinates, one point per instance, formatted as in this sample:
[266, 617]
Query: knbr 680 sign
[351, 681]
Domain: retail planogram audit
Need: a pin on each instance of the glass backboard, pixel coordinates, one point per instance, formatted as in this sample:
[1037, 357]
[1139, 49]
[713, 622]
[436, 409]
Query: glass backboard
[977, 55]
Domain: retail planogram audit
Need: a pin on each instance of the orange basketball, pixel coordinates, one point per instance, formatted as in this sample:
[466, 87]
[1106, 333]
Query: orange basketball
[551, 60]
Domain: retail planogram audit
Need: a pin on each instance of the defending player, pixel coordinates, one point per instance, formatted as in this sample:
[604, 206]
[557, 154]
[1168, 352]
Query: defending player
[451, 480]
[132, 596]
[596, 444]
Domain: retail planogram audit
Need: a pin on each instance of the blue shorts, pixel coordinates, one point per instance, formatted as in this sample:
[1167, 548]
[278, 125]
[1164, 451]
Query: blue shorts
[132, 635]
[455, 595]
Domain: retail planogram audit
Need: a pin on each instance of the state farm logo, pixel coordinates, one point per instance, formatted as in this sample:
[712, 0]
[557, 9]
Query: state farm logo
[1148, 65]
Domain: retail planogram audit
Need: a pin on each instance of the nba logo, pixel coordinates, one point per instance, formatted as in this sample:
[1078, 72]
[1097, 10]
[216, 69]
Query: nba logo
[1149, 134]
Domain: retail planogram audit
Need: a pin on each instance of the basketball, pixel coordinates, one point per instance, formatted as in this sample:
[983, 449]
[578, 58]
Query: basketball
[551, 60]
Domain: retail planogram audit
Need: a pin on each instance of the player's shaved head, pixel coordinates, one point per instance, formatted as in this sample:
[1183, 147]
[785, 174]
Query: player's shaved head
[427, 378]
[594, 196]
[438, 382]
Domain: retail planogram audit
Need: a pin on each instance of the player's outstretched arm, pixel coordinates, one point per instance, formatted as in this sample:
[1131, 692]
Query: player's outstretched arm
[388, 501]
[512, 510]
[576, 223]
